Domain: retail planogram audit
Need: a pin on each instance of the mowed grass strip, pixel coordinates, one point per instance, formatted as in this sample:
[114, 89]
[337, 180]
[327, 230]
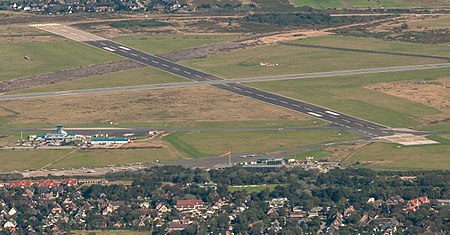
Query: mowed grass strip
[134, 77]
[19, 160]
[47, 57]
[215, 143]
[108, 232]
[295, 60]
[345, 94]
[377, 45]
[95, 158]
[387, 156]
[168, 42]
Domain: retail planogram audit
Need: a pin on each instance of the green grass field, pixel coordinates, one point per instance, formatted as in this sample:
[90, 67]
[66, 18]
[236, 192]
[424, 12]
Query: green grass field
[365, 3]
[19, 160]
[295, 60]
[46, 57]
[345, 94]
[389, 157]
[92, 158]
[203, 144]
[164, 43]
[251, 188]
[133, 77]
[378, 45]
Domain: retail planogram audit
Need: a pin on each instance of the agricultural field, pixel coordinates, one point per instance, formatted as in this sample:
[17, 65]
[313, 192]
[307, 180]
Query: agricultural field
[385, 156]
[369, 3]
[47, 57]
[187, 107]
[214, 143]
[345, 94]
[156, 44]
[296, 60]
[132, 77]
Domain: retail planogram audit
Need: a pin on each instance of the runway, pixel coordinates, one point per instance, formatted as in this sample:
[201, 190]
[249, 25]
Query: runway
[352, 124]
[36, 95]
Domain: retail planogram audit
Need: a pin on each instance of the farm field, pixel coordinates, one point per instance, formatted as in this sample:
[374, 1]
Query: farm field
[346, 94]
[156, 44]
[19, 160]
[295, 60]
[47, 57]
[385, 156]
[203, 144]
[377, 45]
[132, 77]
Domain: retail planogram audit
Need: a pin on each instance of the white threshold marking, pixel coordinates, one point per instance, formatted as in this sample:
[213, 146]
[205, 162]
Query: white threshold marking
[144, 58]
[124, 51]
[125, 48]
[284, 102]
[314, 114]
[198, 76]
[165, 65]
[175, 68]
[104, 44]
[370, 127]
[358, 124]
[154, 61]
[186, 72]
[296, 105]
[108, 49]
[133, 54]
[308, 109]
[332, 113]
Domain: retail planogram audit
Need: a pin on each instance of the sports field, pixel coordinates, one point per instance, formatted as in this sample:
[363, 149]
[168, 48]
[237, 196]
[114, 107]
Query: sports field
[203, 144]
[346, 94]
[46, 57]
[384, 156]
[166, 42]
[296, 60]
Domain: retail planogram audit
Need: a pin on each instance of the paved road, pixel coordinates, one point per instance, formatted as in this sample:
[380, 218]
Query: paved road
[352, 124]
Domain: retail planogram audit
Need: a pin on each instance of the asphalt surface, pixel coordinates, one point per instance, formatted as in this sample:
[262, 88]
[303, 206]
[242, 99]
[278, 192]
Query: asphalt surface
[352, 124]
[214, 82]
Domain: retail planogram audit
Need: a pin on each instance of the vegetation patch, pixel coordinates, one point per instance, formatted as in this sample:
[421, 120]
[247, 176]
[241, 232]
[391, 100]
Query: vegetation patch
[133, 24]
[216, 143]
[251, 188]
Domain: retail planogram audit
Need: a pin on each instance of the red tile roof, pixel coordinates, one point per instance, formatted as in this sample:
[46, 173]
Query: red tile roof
[183, 204]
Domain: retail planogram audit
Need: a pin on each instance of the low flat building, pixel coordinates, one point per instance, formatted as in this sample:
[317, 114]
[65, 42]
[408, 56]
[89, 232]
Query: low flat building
[107, 140]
